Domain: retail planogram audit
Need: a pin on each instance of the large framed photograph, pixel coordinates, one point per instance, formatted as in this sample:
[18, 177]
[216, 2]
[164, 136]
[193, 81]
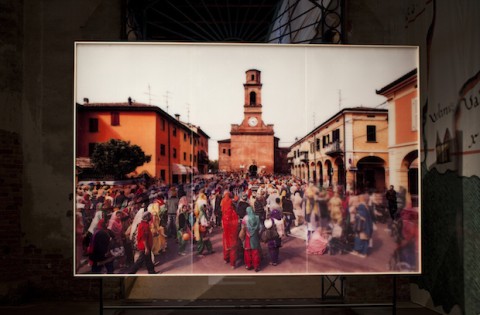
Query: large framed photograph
[244, 159]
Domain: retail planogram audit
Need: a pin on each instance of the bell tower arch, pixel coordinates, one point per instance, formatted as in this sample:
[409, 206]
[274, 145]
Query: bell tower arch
[252, 108]
[253, 89]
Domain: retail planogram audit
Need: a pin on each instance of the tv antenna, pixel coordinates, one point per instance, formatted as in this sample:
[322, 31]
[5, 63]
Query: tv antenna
[339, 99]
[149, 93]
[167, 96]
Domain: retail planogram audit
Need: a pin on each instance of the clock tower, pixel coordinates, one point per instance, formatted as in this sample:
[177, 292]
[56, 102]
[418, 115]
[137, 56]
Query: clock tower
[252, 107]
[252, 142]
[253, 99]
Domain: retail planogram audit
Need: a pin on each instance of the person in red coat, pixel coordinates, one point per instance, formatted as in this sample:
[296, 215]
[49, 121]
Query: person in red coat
[144, 245]
[230, 231]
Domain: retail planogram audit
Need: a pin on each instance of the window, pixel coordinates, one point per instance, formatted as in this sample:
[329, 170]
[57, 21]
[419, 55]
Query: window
[295, 154]
[312, 147]
[224, 151]
[163, 124]
[371, 133]
[162, 149]
[184, 156]
[229, 152]
[414, 114]
[115, 118]
[93, 125]
[318, 144]
[162, 174]
[336, 135]
[194, 158]
[185, 137]
[326, 141]
[253, 98]
[253, 77]
[191, 157]
[174, 153]
[91, 148]
[174, 131]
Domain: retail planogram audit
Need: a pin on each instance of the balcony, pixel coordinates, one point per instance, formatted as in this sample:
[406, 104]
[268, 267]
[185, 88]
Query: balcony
[304, 156]
[334, 149]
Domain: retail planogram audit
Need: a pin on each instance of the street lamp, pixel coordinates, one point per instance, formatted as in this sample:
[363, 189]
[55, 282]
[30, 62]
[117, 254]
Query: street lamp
[314, 149]
[305, 160]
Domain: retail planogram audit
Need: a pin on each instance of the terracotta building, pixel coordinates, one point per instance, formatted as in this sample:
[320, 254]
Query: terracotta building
[403, 117]
[347, 151]
[174, 146]
[252, 147]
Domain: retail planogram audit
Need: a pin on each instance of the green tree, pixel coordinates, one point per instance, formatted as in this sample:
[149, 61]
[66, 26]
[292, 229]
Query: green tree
[118, 158]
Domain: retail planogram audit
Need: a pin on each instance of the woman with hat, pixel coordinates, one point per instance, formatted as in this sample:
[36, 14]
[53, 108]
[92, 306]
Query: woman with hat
[274, 221]
[98, 249]
[201, 226]
[183, 225]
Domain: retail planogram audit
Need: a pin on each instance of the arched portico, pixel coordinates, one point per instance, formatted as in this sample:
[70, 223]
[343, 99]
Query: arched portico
[410, 179]
[371, 174]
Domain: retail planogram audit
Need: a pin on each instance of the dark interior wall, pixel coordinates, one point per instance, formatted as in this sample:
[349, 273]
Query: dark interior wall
[36, 137]
[36, 134]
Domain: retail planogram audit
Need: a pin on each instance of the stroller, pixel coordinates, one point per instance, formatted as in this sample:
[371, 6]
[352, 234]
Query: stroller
[404, 232]
[379, 208]
[338, 241]
[401, 260]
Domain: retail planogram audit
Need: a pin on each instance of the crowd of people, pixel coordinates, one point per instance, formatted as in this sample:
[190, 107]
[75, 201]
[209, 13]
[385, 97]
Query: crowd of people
[124, 227]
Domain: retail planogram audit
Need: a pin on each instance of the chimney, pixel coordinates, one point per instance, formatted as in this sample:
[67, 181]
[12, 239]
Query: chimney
[130, 101]
[177, 116]
[85, 100]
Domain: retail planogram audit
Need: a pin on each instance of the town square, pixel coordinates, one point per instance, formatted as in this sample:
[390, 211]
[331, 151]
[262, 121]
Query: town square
[266, 180]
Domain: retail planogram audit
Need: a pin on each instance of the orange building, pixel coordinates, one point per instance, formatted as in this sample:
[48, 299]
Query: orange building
[252, 145]
[166, 139]
[403, 117]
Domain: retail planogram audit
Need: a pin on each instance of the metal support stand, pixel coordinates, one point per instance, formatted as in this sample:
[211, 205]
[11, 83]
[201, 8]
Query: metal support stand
[101, 296]
[330, 290]
[394, 295]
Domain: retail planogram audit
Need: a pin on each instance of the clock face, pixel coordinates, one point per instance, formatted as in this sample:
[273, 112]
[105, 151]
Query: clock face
[252, 121]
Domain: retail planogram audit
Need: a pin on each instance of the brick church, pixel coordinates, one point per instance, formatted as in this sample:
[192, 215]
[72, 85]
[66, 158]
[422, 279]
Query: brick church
[252, 147]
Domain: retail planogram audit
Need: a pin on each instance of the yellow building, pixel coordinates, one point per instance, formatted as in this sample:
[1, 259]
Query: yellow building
[349, 151]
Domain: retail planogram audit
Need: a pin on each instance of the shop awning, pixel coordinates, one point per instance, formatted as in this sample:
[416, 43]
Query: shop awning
[178, 169]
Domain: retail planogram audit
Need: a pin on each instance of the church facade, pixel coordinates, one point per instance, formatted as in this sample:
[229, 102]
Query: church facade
[252, 147]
